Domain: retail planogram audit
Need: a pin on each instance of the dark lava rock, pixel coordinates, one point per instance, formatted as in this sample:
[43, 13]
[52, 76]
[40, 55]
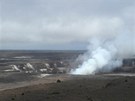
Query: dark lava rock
[58, 81]
[126, 80]
[22, 93]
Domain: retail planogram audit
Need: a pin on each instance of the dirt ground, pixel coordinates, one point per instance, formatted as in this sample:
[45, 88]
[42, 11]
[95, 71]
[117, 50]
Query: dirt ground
[75, 88]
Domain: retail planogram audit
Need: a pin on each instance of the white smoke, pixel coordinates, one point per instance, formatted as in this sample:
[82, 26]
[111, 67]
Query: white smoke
[106, 53]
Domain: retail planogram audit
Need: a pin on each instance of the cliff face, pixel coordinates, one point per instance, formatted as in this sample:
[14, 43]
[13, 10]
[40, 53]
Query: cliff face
[128, 66]
[129, 62]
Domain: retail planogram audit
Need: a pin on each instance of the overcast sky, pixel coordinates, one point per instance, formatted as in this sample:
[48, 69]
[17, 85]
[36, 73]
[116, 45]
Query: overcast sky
[62, 24]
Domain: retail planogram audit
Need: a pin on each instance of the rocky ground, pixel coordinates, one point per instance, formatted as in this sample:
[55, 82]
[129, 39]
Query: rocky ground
[75, 88]
[42, 76]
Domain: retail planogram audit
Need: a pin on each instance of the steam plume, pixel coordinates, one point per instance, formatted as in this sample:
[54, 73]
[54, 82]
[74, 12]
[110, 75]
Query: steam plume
[105, 53]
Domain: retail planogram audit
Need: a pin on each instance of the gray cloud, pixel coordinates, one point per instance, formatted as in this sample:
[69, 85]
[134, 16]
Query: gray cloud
[35, 24]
